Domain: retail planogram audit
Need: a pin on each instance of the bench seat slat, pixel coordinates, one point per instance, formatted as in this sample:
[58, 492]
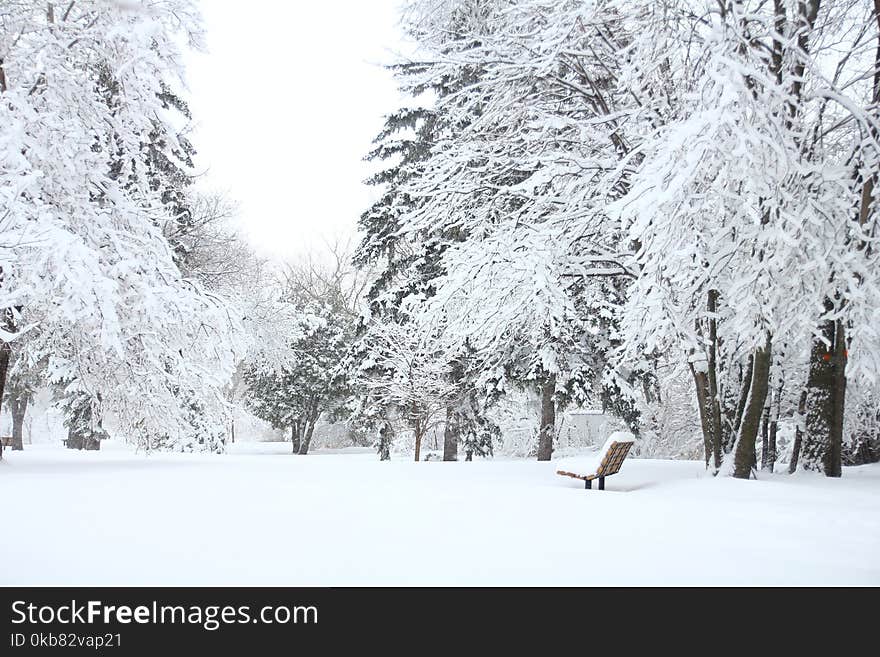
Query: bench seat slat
[577, 476]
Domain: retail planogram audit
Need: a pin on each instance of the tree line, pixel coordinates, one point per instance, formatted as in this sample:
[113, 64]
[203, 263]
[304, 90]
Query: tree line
[596, 199]
[663, 209]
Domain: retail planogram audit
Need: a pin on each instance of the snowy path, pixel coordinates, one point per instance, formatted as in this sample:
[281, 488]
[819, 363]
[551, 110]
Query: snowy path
[269, 518]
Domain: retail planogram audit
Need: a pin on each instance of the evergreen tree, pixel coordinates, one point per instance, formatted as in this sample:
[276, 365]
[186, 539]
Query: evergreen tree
[294, 396]
[406, 265]
[82, 418]
[492, 256]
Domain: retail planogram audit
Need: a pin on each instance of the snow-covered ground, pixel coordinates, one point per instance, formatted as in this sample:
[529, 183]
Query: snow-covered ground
[261, 516]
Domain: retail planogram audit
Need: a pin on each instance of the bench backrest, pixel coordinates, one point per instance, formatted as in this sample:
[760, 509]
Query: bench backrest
[613, 458]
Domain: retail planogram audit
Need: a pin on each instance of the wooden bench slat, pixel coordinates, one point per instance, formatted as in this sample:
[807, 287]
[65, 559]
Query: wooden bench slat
[577, 476]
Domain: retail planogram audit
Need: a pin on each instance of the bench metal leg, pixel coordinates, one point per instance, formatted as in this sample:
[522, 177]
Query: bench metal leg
[588, 484]
[601, 483]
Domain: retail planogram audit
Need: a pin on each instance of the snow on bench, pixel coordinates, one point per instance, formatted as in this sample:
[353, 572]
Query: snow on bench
[604, 463]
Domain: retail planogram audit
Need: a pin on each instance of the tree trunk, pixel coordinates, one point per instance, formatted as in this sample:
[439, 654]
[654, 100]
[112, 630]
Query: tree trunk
[307, 435]
[5, 353]
[774, 425]
[710, 413]
[728, 401]
[715, 417]
[834, 459]
[4, 368]
[798, 434]
[386, 437]
[744, 455]
[7, 323]
[745, 385]
[771, 445]
[701, 386]
[74, 440]
[714, 405]
[826, 396]
[548, 419]
[18, 407]
[765, 434]
[2, 77]
[294, 438]
[417, 429]
[450, 435]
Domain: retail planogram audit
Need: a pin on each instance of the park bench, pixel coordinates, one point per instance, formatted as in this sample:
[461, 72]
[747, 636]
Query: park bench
[603, 464]
[5, 441]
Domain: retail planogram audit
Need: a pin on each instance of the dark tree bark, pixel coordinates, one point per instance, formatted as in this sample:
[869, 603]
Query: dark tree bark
[771, 446]
[706, 384]
[714, 404]
[2, 77]
[826, 397]
[386, 437]
[798, 434]
[8, 325]
[418, 430]
[709, 404]
[4, 367]
[5, 353]
[74, 440]
[18, 407]
[548, 419]
[744, 455]
[7, 321]
[306, 441]
[451, 435]
[701, 386]
[745, 386]
[774, 426]
[294, 438]
[79, 441]
[765, 434]
[729, 400]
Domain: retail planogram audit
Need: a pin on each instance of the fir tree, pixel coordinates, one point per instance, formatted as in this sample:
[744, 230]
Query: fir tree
[293, 397]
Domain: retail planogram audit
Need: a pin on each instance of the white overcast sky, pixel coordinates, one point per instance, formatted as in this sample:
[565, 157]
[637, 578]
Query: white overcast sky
[286, 103]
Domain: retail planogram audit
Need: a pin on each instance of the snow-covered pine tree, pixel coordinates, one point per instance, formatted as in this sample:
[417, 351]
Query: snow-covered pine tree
[312, 384]
[405, 265]
[82, 417]
[517, 178]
